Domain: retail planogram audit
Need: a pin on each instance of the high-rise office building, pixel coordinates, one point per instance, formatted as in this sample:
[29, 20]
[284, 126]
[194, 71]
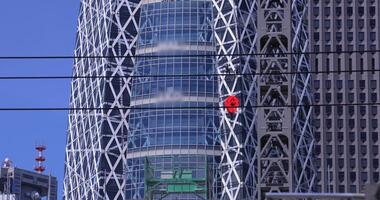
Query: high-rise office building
[347, 136]
[95, 151]
[267, 145]
[173, 146]
[175, 143]
[284, 130]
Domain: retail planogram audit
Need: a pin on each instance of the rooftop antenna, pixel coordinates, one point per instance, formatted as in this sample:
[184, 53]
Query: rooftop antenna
[39, 168]
[7, 186]
[7, 163]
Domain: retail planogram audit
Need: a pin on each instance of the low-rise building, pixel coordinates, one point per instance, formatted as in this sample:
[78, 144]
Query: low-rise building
[21, 184]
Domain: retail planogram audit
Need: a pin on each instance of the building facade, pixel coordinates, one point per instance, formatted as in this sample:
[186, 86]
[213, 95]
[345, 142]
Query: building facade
[95, 150]
[173, 121]
[267, 146]
[347, 136]
[177, 140]
[284, 133]
[21, 184]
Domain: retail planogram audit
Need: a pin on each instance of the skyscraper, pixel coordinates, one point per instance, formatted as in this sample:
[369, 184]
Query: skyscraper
[170, 138]
[174, 142]
[347, 136]
[267, 146]
[95, 151]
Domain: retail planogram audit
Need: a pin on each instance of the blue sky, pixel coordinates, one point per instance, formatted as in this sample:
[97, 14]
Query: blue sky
[35, 28]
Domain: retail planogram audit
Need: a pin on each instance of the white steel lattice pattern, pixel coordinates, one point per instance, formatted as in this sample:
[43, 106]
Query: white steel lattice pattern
[235, 33]
[303, 137]
[95, 151]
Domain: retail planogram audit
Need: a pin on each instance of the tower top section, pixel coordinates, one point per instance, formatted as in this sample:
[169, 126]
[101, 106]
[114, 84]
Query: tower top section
[7, 163]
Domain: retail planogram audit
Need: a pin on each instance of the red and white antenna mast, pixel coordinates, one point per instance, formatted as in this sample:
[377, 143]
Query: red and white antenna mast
[40, 159]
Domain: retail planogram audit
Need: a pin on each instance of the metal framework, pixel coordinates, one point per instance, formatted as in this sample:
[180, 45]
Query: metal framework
[285, 139]
[274, 125]
[263, 150]
[95, 152]
[275, 156]
[235, 33]
[303, 133]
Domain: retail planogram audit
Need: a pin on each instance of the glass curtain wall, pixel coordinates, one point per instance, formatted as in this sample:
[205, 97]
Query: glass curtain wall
[174, 121]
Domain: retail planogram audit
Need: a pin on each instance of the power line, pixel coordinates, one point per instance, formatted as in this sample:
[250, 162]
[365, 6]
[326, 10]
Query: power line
[188, 75]
[184, 107]
[194, 55]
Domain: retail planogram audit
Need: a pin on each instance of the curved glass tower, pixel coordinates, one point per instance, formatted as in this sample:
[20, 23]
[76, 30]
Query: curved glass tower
[172, 141]
[173, 146]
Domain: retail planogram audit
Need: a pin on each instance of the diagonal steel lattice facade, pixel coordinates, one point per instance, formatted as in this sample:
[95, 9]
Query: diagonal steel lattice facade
[95, 156]
[303, 161]
[235, 33]
[268, 149]
[95, 152]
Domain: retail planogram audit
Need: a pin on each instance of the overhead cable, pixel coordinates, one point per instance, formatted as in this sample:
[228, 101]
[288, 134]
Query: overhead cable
[180, 107]
[189, 75]
[190, 55]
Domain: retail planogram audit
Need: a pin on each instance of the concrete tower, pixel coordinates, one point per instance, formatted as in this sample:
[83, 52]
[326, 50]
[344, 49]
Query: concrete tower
[347, 137]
